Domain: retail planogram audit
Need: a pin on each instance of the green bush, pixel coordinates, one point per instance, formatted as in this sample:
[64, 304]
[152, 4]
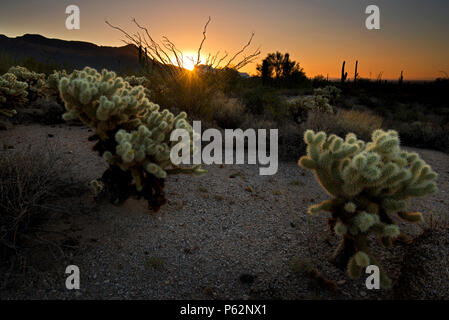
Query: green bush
[266, 101]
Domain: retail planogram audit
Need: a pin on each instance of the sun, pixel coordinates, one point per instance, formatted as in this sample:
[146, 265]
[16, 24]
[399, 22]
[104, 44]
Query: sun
[188, 64]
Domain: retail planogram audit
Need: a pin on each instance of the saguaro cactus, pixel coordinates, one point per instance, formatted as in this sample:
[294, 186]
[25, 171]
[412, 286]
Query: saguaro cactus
[370, 184]
[356, 74]
[133, 135]
[344, 74]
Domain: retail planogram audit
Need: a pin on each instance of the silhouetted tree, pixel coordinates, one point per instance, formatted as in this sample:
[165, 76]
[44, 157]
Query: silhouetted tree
[284, 71]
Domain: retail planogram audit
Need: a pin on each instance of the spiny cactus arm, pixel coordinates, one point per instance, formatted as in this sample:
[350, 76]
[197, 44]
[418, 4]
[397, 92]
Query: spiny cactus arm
[327, 205]
[327, 158]
[103, 101]
[8, 112]
[411, 216]
[195, 170]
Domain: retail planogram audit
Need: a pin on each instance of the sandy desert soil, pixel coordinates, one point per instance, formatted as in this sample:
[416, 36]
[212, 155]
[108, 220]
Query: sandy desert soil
[231, 234]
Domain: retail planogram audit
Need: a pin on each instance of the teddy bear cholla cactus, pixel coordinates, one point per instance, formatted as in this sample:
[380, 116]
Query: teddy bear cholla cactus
[332, 93]
[52, 84]
[12, 94]
[370, 183]
[35, 81]
[133, 135]
[318, 102]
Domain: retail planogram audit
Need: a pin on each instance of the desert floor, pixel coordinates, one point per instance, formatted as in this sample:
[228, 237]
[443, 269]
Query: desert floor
[231, 234]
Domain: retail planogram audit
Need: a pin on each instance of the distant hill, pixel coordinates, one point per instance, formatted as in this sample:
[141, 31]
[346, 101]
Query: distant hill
[77, 54]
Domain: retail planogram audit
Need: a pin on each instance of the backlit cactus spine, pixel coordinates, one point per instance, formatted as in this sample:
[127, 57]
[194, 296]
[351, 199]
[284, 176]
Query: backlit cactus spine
[133, 134]
[370, 184]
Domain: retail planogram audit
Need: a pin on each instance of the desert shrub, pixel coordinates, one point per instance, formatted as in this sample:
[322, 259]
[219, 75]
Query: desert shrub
[369, 184]
[332, 93]
[228, 113]
[266, 101]
[29, 183]
[35, 81]
[320, 101]
[132, 135]
[189, 91]
[362, 123]
[291, 140]
[12, 94]
[424, 134]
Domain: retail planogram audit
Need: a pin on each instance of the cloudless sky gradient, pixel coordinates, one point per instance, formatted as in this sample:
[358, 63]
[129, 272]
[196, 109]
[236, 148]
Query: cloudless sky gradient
[319, 34]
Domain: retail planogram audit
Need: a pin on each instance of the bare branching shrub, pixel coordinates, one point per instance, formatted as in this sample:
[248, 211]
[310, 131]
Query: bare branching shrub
[174, 86]
[30, 181]
[167, 58]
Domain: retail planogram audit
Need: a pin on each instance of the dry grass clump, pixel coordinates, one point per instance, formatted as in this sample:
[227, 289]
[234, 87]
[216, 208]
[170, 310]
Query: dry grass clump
[362, 123]
[228, 113]
[30, 181]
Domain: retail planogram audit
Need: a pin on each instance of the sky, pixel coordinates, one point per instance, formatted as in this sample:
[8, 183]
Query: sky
[319, 34]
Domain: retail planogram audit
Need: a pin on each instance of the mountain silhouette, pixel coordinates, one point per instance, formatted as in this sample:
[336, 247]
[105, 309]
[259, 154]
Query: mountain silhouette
[76, 54]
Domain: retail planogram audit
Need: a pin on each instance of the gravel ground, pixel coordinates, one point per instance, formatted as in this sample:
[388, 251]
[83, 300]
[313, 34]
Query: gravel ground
[228, 235]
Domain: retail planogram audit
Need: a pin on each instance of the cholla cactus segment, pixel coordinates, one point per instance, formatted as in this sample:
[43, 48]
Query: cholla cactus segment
[348, 167]
[362, 259]
[369, 182]
[350, 207]
[140, 81]
[35, 81]
[12, 94]
[52, 83]
[340, 228]
[103, 101]
[133, 133]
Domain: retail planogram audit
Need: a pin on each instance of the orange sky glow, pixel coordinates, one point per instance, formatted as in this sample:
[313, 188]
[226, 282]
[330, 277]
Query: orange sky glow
[318, 34]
